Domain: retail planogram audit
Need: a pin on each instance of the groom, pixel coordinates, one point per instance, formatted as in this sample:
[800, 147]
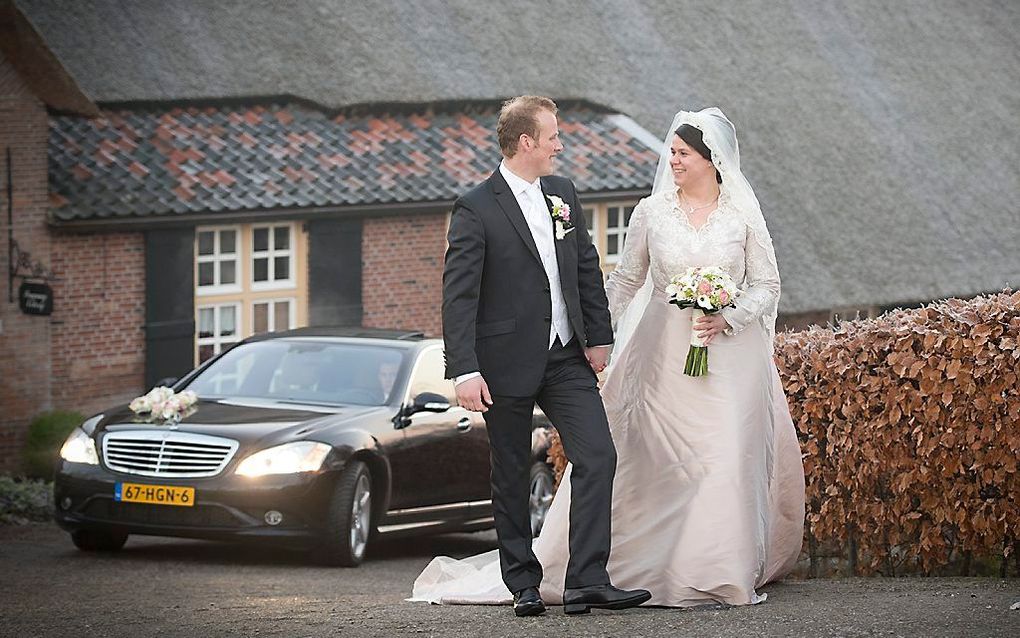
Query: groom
[525, 320]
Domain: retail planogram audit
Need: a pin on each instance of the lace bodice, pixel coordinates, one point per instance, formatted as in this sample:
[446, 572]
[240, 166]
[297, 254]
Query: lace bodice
[662, 241]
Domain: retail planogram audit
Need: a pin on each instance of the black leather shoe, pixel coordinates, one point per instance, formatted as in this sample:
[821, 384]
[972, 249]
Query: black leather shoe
[582, 599]
[528, 602]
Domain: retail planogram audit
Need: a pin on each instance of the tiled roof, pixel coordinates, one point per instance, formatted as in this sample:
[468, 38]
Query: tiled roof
[173, 161]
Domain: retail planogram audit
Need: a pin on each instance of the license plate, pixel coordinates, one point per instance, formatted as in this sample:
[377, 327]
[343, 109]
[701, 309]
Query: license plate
[154, 494]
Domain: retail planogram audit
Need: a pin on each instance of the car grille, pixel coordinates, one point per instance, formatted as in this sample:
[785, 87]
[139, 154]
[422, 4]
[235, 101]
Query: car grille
[167, 454]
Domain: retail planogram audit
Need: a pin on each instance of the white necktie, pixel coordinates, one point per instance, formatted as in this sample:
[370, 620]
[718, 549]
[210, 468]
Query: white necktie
[542, 228]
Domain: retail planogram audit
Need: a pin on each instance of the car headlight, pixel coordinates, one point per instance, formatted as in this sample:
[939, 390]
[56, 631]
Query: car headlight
[79, 448]
[290, 458]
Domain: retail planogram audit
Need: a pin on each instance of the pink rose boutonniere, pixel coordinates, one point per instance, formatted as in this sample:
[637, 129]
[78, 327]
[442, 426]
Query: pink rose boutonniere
[561, 216]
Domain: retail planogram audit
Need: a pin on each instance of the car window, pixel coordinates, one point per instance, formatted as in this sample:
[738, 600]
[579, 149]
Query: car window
[304, 371]
[429, 376]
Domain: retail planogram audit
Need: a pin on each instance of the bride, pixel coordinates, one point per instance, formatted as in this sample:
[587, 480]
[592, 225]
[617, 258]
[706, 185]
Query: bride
[708, 499]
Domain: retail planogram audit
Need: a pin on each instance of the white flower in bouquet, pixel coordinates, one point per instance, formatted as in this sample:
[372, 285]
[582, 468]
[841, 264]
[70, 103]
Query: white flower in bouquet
[706, 289]
[163, 404]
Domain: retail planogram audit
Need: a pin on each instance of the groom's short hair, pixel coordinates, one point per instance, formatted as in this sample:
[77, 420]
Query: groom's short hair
[519, 116]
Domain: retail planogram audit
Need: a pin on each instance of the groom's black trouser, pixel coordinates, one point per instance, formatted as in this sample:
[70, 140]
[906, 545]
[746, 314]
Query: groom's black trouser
[570, 398]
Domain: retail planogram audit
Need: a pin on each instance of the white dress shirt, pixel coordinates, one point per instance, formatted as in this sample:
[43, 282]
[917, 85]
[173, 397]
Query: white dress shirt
[532, 202]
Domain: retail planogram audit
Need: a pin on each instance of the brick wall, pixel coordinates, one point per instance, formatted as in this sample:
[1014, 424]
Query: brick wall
[98, 320]
[24, 339]
[402, 272]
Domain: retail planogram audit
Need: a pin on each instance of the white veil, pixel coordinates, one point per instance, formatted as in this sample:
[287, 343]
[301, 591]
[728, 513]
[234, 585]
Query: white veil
[720, 136]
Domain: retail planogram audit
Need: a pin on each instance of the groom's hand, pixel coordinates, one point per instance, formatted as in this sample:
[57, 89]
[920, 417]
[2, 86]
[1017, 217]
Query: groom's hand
[473, 394]
[598, 357]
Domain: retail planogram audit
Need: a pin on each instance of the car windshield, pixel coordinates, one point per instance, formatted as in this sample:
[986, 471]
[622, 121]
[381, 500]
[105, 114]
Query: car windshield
[310, 372]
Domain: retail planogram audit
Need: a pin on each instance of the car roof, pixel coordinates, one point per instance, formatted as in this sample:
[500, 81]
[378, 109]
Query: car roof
[347, 334]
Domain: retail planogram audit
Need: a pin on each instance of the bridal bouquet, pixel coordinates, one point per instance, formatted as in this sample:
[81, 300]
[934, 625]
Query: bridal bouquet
[707, 290]
[161, 403]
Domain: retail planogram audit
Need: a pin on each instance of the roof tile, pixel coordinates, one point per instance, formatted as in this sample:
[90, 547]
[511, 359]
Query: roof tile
[144, 162]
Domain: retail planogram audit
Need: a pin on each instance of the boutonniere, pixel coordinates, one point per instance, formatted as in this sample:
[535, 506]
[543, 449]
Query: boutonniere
[561, 216]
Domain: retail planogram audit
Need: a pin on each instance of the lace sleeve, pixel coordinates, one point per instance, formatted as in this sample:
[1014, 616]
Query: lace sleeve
[632, 269]
[761, 278]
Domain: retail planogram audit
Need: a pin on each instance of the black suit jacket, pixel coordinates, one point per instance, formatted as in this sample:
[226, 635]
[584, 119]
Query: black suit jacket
[497, 308]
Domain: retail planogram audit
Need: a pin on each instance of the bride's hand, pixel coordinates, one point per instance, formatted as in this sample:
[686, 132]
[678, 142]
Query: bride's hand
[709, 326]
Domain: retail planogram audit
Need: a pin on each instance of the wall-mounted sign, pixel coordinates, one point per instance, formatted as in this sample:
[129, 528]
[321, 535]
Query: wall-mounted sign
[35, 299]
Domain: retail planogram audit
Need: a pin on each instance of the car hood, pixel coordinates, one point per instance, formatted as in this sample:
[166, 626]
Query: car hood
[247, 421]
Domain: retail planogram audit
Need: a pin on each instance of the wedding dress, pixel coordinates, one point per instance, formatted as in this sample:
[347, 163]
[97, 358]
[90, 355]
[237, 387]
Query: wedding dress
[708, 499]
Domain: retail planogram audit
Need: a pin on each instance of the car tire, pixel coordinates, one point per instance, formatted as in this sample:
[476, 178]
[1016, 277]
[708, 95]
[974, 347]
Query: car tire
[349, 518]
[90, 540]
[541, 487]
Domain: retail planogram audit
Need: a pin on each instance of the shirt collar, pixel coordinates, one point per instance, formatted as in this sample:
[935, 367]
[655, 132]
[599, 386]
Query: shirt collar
[516, 183]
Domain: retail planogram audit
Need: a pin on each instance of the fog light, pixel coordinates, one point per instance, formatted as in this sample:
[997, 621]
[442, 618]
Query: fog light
[65, 503]
[273, 517]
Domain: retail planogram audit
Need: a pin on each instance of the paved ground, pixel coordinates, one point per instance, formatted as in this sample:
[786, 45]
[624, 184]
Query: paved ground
[168, 587]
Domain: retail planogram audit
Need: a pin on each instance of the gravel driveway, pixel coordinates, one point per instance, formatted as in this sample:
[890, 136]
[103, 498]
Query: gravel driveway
[170, 587]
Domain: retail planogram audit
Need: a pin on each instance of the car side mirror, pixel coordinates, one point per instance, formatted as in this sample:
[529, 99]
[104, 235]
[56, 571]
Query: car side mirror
[424, 402]
[166, 381]
[429, 402]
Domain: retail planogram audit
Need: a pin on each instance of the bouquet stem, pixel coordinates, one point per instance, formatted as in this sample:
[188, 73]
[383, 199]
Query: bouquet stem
[697, 362]
[697, 355]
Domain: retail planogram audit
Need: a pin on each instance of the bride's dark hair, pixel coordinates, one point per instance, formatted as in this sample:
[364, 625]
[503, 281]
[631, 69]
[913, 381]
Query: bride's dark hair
[692, 135]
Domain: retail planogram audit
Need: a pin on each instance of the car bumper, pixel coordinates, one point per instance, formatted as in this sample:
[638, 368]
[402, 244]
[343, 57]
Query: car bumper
[226, 507]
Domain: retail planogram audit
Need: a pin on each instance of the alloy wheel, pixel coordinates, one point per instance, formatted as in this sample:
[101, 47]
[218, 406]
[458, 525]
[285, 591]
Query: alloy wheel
[541, 497]
[361, 516]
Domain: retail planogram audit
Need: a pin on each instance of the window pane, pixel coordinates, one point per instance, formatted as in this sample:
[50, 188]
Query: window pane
[262, 269]
[205, 352]
[228, 241]
[281, 237]
[228, 321]
[281, 315]
[614, 216]
[205, 322]
[205, 243]
[228, 272]
[281, 267]
[260, 239]
[205, 273]
[260, 317]
[612, 245]
[429, 377]
[629, 211]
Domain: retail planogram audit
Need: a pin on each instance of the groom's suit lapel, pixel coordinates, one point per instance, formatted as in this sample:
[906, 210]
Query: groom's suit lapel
[506, 200]
[564, 258]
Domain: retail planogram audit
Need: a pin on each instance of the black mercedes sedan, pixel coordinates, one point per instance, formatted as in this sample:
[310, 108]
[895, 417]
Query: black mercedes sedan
[320, 438]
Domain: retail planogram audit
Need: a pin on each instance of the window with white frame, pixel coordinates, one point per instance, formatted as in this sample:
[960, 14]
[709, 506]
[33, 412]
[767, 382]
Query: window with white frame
[273, 315]
[591, 220]
[272, 256]
[218, 327]
[217, 260]
[617, 221]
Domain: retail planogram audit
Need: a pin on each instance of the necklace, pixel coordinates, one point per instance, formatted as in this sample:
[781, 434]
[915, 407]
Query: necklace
[694, 209]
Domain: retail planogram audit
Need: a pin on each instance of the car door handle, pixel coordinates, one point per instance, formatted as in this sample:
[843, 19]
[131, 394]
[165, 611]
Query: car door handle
[464, 424]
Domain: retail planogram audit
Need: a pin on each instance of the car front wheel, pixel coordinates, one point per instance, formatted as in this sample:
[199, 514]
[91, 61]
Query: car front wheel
[349, 519]
[90, 540]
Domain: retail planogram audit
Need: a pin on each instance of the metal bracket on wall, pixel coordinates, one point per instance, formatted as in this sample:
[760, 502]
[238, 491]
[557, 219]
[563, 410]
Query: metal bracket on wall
[19, 262]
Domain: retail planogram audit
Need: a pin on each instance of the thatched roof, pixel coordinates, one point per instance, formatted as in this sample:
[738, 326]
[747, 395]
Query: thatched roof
[881, 136]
